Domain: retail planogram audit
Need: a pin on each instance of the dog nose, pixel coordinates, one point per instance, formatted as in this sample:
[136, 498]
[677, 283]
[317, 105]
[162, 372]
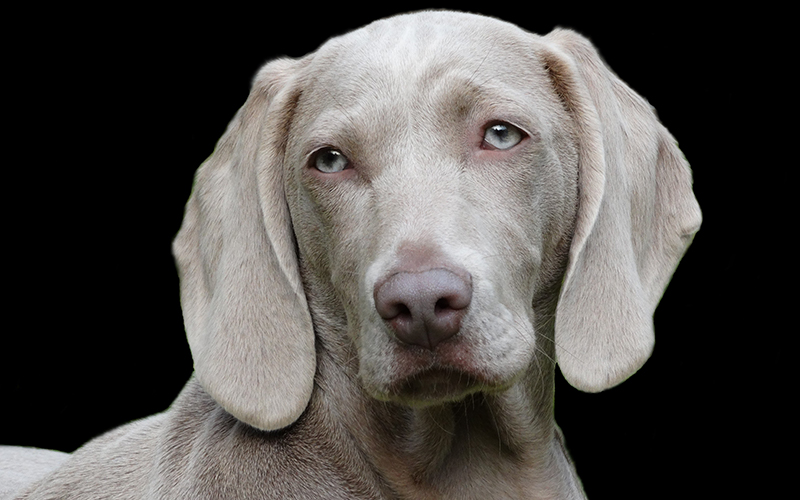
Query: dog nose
[424, 308]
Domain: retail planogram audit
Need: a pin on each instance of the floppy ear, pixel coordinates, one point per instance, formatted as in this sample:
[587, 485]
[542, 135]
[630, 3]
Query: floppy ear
[244, 307]
[636, 217]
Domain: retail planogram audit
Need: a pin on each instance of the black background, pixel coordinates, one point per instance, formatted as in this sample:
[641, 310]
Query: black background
[113, 110]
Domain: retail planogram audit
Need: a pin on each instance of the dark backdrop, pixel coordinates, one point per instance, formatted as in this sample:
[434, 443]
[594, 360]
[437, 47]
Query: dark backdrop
[112, 112]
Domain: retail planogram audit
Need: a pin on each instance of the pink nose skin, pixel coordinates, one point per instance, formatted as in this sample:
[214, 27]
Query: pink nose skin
[424, 308]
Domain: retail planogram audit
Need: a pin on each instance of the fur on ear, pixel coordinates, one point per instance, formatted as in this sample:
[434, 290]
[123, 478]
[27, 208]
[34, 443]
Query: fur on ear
[244, 307]
[636, 217]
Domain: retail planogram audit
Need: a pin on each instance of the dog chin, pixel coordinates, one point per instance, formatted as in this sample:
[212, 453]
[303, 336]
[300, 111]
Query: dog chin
[434, 386]
[438, 385]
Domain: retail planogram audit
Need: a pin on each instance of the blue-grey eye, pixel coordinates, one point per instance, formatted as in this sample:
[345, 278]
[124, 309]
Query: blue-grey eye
[503, 136]
[330, 161]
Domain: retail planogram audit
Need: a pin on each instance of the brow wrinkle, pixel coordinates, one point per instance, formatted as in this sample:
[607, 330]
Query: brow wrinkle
[339, 106]
[486, 56]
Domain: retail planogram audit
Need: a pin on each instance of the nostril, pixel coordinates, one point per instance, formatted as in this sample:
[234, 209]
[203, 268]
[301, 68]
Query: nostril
[448, 304]
[401, 311]
[441, 304]
[389, 305]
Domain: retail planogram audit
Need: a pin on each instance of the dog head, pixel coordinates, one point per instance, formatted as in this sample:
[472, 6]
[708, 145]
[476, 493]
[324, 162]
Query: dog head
[443, 181]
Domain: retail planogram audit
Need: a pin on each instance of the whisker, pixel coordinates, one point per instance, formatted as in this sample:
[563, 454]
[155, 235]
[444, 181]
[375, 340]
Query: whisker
[442, 427]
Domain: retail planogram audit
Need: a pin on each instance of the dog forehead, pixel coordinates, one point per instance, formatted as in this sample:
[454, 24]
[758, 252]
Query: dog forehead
[403, 52]
[411, 68]
[409, 35]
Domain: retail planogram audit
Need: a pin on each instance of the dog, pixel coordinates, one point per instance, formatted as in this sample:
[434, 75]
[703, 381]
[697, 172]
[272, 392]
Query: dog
[394, 243]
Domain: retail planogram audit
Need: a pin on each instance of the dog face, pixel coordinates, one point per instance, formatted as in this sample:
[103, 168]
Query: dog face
[413, 152]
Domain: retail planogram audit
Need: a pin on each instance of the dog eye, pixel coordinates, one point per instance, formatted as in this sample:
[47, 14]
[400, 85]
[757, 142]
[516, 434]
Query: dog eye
[329, 161]
[502, 136]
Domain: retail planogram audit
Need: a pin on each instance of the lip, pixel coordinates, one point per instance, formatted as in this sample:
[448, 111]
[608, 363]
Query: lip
[425, 378]
[446, 374]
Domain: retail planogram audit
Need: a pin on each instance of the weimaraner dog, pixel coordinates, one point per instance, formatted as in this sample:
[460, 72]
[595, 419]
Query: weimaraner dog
[394, 242]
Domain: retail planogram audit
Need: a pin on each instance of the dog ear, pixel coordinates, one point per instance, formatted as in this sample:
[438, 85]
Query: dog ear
[244, 307]
[636, 217]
